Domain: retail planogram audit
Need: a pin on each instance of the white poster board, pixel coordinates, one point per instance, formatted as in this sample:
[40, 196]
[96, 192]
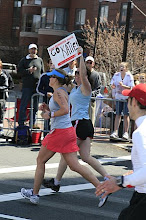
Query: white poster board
[64, 51]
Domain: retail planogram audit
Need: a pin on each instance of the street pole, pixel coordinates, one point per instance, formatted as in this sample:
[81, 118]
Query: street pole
[126, 31]
[97, 26]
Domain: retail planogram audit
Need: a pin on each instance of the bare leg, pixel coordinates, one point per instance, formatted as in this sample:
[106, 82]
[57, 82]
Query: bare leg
[73, 163]
[61, 169]
[43, 157]
[84, 146]
[126, 123]
[117, 123]
[86, 157]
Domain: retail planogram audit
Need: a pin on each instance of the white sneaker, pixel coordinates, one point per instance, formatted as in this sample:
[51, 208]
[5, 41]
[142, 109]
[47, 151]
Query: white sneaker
[102, 201]
[125, 136]
[114, 135]
[28, 194]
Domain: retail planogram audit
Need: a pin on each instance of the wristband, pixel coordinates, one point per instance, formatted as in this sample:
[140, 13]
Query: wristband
[119, 181]
[129, 186]
[52, 115]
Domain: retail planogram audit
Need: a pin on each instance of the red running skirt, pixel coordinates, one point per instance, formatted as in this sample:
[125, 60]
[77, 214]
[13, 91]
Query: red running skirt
[61, 140]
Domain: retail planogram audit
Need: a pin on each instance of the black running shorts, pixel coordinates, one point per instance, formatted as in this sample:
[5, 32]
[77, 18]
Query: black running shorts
[84, 128]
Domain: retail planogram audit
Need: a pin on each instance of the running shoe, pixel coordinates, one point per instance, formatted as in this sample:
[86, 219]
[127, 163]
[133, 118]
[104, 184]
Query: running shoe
[125, 136]
[28, 194]
[50, 184]
[102, 201]
[114, 135]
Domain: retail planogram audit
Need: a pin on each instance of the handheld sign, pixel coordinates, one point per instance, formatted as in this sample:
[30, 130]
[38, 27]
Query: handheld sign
[64, 51]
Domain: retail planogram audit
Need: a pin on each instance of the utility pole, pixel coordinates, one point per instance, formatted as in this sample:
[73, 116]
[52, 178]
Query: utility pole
[128, 16]
[98, 23]
[97, 26]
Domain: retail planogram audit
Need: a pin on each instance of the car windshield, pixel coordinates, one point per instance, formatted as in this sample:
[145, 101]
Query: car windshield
[9, 67]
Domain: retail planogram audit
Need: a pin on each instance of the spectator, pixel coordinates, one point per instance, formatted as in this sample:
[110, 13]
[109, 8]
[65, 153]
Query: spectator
[136, 79]
[95, 80]
[70, 70]
[142, 78]
[6, 83]
[120, 81]
[30, 68]
[139, 78]
[137, 178]
[44, 89]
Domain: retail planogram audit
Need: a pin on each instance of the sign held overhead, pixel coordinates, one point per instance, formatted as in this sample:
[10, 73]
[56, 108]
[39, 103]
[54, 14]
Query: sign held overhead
[64, 51]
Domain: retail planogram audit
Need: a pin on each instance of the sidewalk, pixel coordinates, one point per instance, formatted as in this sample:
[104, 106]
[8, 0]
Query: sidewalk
[106, 141]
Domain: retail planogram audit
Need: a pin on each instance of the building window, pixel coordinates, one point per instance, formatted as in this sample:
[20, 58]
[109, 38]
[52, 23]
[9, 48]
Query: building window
[80, 17]
[16, 14]
[31, 23]
[123, 13]
[104, 14]
[54, 18]
[17, 3]
[32, 2]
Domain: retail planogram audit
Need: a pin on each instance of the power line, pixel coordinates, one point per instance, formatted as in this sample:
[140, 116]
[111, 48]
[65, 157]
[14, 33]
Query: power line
[138, 8]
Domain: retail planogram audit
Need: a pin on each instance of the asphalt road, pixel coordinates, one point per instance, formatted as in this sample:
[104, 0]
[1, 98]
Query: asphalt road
[76, 199]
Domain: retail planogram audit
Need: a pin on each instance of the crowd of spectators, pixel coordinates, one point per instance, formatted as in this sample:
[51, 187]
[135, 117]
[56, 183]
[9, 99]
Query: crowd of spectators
[35, 79]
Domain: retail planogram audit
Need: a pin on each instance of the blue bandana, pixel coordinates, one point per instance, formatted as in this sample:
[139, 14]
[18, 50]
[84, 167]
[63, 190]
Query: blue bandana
[56, 73]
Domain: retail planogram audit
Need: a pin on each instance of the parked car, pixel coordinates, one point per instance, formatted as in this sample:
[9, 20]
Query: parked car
[10, 68]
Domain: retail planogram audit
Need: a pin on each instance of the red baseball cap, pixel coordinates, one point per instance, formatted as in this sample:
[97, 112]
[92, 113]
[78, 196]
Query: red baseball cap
[138, 92]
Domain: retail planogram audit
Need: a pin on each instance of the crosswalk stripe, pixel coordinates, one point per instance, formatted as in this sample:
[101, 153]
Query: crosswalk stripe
[44, 192]
[55, 165]
[48, 192]
[12, 217]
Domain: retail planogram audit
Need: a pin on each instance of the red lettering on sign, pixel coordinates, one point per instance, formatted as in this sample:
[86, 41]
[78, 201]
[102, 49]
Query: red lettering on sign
[64, 61]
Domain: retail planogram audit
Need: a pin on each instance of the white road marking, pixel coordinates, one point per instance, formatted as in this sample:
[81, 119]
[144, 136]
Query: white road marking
[25, 168]
[45, 192]
[115, 159]
[55, 165]
[12, 217]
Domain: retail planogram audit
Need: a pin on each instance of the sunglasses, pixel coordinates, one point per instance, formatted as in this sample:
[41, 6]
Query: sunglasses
[53, 76]
[76, 72]
[89, 62]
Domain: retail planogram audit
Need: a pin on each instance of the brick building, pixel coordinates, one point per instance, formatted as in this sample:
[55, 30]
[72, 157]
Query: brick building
[45, 22]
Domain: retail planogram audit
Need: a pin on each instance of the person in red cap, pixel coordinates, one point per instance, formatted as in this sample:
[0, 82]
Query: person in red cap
[137, 179]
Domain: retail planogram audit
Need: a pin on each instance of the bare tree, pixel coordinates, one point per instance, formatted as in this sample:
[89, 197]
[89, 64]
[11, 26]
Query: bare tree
[109, 48]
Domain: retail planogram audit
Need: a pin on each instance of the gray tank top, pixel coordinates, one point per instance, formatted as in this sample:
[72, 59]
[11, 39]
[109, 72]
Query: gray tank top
[63, 121]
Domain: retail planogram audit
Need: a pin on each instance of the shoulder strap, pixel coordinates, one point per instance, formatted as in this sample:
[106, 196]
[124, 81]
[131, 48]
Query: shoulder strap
[63, 89]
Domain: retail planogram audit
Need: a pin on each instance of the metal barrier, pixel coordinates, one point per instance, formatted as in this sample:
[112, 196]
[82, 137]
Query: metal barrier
[9, 120]
[38, 125]
[105, 117]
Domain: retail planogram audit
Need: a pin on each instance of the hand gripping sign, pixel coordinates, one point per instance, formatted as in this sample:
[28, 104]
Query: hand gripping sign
[64, 51]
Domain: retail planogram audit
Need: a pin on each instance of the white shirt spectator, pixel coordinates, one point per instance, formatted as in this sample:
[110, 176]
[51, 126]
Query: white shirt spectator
[69, 71]
[128, 81]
